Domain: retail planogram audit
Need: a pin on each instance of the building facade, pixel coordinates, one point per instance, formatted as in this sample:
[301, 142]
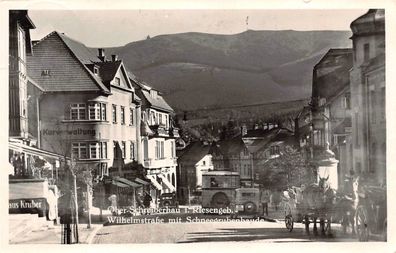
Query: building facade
[158, 134]
[89, 110]
[192, 162]
[368, 96]
[331, 109]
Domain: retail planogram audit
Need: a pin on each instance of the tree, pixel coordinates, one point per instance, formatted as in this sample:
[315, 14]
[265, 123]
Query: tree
[290, 168]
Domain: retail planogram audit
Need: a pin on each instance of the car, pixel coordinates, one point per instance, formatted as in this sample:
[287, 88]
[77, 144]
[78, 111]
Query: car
[168, 200]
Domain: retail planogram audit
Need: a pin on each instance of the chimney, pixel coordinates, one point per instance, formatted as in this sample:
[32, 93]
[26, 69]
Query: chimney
[114, 57]
[101, 54]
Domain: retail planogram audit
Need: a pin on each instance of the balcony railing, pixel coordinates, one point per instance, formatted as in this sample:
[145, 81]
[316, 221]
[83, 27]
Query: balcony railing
[163, 131]
[163, 162]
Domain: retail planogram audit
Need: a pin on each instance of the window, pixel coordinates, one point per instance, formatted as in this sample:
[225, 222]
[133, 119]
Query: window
[347, 101]
[274, 150]
[166, 121]
[366, 52]
[94, 111]
[132, 148]
[79, 150]
[77, 111]
[103, 149]
[103, 112]
[159, 149]
[117, 81]
[21, 44]
[173, 149]
[96, 70]
[93, 150]
[123, 148]
[131, 116]
[122, 115]
[203, 163]
[153, 94]
[160, 118]
[114, 111]
[115, 149]
[46, 72]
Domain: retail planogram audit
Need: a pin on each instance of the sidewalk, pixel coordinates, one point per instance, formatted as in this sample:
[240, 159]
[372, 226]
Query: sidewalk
[52, 235]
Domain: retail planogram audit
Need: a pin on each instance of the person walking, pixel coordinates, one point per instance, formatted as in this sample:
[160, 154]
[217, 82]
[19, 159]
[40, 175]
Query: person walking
[147, 199]
[264, 199]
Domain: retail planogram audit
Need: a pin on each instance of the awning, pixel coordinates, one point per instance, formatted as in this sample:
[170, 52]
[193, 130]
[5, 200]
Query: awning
[127, 182]
[167, 183]
[154, 182]
[141, 181]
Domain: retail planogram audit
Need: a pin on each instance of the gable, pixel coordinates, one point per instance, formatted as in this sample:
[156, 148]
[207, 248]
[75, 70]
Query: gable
[121, 74]
[56, 69]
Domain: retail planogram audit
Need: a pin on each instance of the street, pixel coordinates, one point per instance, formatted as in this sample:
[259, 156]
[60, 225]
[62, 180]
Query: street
[226, 231]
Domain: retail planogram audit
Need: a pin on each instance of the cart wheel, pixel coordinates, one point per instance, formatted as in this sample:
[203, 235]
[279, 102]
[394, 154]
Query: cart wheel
[289, 222]
[362, 224]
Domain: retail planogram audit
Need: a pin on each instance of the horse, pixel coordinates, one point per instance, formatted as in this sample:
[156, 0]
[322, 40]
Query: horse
[318, 200]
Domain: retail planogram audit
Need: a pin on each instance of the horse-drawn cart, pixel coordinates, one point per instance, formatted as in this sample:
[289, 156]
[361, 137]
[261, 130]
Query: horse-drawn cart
[314, 204]
[371, 215]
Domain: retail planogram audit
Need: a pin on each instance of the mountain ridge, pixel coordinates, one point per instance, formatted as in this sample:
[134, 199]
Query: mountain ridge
[196, 70]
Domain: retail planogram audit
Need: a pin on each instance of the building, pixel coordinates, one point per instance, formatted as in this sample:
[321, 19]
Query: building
[266, 143]
[158, 135]
[88, 110]
[331, 114]
[192, 162]
[232, 155]
[33, 171]
[367, 80]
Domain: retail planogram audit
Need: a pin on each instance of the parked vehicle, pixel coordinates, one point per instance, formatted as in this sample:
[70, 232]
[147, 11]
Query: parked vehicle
[247, 202]
[168, 200]
[218, 188]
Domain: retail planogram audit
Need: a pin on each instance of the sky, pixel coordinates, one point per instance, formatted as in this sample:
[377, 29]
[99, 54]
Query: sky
[109, 28]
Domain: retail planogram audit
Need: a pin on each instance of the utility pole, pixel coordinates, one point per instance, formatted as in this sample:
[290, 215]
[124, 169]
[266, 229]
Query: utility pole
[75, 205]
[88, 201]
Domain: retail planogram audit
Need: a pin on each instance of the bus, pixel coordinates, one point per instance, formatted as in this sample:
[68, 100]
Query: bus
[218, 188]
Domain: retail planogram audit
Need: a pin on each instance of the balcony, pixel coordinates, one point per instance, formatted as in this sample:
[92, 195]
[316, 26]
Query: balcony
[158, 163]
[162, 131]
[174, 132]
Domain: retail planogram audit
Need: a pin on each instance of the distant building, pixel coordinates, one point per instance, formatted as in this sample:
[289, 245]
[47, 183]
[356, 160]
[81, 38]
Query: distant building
[266, 143]
[233, 155]
[368, 95]
[193, 161]
[331, 104]
[158, 135]
[88, 109]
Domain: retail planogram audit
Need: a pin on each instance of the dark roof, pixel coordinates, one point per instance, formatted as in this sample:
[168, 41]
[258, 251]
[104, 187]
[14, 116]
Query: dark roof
[337, 63]
[157, 103]
[230, 146]
[265, 137]
[371, 22]
[107, 70]
[66, 74]
[194, 152]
